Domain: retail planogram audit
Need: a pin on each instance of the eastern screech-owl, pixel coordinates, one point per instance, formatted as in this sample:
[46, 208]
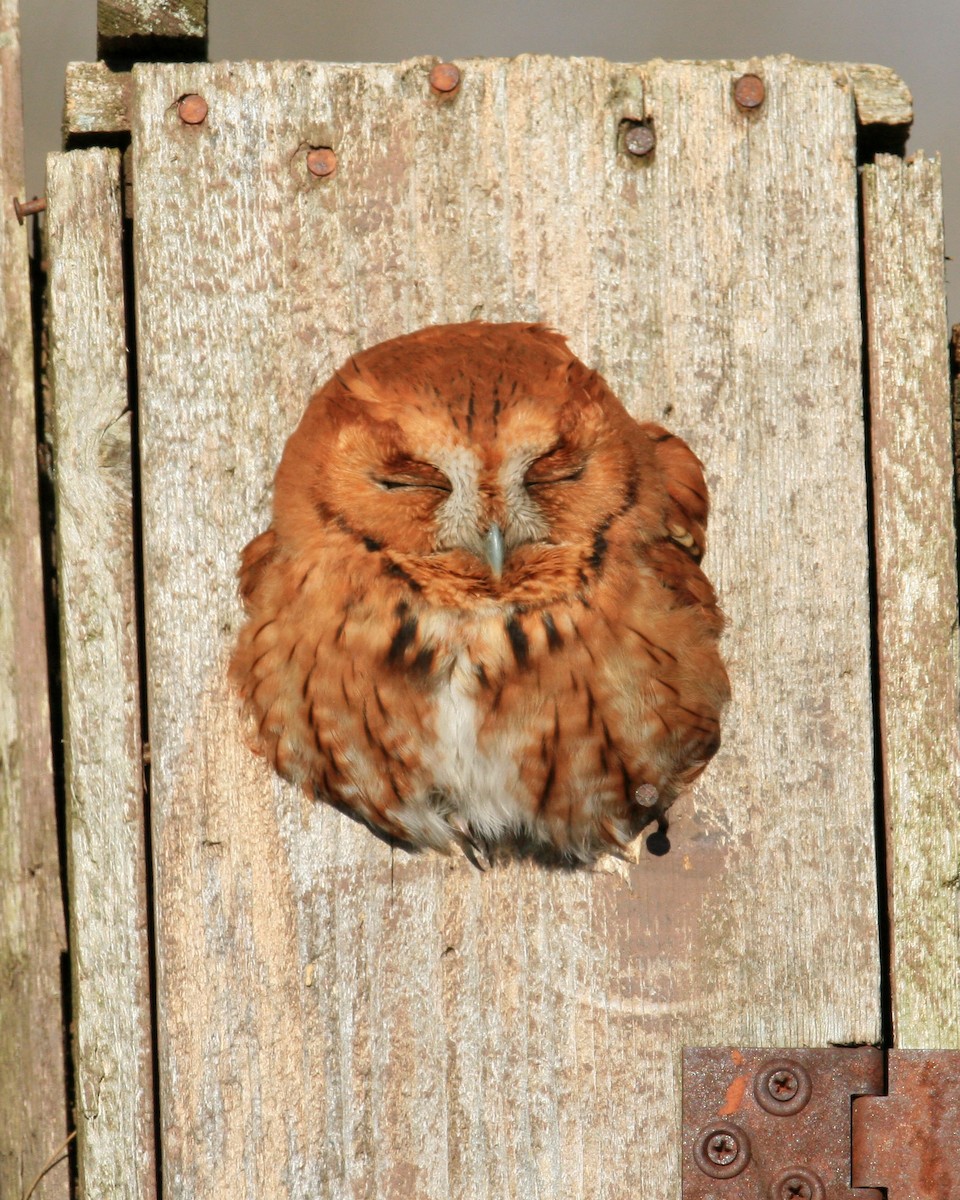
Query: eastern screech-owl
[478, 613]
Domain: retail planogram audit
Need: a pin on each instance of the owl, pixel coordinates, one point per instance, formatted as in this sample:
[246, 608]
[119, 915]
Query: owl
[478, 615]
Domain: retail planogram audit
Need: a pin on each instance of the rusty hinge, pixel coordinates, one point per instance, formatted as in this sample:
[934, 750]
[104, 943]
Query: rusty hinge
[817, 1124]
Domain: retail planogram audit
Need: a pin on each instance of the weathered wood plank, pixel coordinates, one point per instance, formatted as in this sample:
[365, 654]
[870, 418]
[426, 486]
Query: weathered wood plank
[95, 100]
[336, 1018]
[33, 1101]
[881, 96]
[102, 736]
[152, 18]
[916, 591]
[126, 28]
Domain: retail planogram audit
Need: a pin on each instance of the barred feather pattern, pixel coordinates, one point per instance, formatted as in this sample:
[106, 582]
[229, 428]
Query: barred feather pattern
[478, 615]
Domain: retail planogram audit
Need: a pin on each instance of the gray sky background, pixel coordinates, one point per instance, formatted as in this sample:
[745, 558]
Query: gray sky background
[920, 41]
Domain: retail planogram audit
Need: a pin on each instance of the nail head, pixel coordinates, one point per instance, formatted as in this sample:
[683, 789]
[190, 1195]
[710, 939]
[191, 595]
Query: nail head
[192, 109]
[749, 92]
[444, 78]
[639, 140]
[28, 208]
[322, 162]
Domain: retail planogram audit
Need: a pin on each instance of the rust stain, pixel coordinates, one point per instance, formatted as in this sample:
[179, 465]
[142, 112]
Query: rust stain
[737, 1057]
[735, 1092]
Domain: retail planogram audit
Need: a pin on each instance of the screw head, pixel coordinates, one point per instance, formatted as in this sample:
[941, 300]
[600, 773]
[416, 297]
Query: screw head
[192, 109]
[749, 92]
[639, 140]
[782, 1087]
[796, 1187]
[721, 1150]
[322, 162]
[798, 1184]
[444, 78]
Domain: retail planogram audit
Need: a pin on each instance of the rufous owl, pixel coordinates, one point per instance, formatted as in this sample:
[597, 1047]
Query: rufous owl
[478, 615]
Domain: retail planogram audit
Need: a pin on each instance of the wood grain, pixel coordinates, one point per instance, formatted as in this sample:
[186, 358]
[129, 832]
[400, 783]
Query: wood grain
[33, 1100]
[339, 1018]
[100, 670]
[919, 699]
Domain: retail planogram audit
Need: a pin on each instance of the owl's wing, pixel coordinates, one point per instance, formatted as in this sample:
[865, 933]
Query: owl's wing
[682, 474]
[256, 557]
[683, 577]
[677, 557]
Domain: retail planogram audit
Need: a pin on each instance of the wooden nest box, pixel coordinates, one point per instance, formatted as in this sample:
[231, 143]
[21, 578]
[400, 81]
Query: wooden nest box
[265, 999]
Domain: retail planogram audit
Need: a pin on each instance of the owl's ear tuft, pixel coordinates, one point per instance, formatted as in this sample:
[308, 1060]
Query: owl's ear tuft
[350, 395]
[550, 337]
[582, 378]
[584, 408]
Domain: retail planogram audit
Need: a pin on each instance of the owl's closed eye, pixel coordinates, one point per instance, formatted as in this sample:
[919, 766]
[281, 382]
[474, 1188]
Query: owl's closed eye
[478, 613]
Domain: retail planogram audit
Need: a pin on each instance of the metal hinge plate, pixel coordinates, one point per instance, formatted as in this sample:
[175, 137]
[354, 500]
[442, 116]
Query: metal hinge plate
[787, 1124]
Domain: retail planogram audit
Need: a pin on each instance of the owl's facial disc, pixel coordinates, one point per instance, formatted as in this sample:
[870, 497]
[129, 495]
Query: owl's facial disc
[489, 512]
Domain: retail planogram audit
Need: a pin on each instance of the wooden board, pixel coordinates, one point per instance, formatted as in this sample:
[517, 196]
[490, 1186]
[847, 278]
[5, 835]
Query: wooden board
[128, 29]
[338, 1018]
[96, 101]
[106, 850]
[919, 695]
[33, 1100]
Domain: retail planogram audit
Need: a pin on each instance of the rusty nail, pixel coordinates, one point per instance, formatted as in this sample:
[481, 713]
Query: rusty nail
[782, 1087]
[639, 140]
[721, 1150]
[749, 91]
[27, 208]
[192, 109]
[322, 162]
[798, 1184]
[444, 78]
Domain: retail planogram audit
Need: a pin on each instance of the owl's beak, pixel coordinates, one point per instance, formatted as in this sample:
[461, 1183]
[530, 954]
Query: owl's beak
[493, 549]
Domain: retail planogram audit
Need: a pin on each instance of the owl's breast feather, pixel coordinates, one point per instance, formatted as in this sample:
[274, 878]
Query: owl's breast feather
[481, 781]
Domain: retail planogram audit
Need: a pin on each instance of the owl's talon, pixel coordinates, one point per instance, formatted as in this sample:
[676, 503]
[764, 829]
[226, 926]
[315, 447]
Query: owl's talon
[473, 850]
[615, 835]
[475, 854]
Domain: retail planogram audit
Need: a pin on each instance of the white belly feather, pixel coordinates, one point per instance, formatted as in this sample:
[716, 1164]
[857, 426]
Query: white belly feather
[465, 788]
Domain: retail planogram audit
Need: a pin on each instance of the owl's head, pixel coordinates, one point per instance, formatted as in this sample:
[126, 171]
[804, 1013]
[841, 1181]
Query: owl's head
[487, 451]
